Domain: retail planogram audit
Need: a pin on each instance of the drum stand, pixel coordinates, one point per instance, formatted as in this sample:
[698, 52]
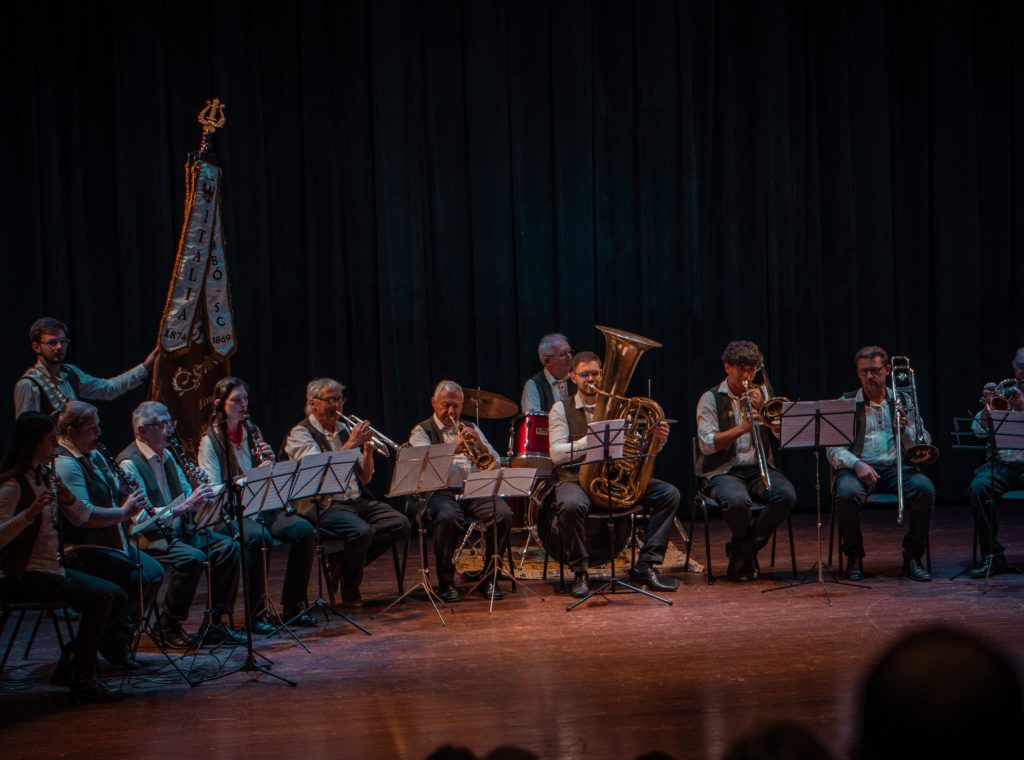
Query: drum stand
[424, 570]
[613, 583]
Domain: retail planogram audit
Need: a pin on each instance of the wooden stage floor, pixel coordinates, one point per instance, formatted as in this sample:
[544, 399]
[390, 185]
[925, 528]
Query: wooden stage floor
[613, 679]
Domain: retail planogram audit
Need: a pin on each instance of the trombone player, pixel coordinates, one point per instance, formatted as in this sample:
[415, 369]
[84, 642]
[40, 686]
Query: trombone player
[1003, 472]
[870, 466]
[735, 459]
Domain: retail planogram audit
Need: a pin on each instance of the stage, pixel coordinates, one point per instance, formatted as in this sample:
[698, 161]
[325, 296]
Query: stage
[612, 679]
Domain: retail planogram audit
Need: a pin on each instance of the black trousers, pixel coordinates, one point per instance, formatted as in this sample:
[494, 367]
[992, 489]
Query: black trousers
[735, 490]
[120, 569]
[449, 516]
[300, 537]
[992, 480]
[918, 501]
[661, 500]
[103, 605]
[185, 558]
[367, 529]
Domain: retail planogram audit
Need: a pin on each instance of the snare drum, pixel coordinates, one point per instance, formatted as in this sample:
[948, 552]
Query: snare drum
[530, 442]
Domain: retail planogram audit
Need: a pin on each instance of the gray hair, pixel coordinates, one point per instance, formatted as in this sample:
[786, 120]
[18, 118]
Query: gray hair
[447, 386]
[75, 414]
[548, 342]
[317, 388]
[146, 412]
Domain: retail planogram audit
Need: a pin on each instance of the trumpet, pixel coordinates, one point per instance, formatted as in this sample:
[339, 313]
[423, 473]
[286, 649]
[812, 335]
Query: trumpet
[381, 443]
[479, 456]
[1002, 393]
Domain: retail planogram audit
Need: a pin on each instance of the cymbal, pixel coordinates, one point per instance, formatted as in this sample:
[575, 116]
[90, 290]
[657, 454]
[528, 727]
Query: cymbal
[492, 406]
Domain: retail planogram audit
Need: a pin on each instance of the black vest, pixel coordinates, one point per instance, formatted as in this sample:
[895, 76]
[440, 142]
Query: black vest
[860, 421]
[324, 445]
[132, 454]
[433, 432]
[101, 494]
[576, 419]
[14, 557]
[223, 452]
[547, 395]
[726, 419]
[45, 405]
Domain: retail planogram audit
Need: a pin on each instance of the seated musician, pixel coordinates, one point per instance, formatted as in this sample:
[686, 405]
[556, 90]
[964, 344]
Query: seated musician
[1003, 472]
[30, 569]
[368, 527]
[448, 513]
[100, 546]
[552, 383]
[567, 425]
[729, 461]
[248, 450]
[179, 545]
[49, 383]
[869, 466]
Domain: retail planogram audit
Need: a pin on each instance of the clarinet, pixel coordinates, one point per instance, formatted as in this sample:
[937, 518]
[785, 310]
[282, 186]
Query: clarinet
[255, 437]
[193, 472]
[131, 484]
[52, 481]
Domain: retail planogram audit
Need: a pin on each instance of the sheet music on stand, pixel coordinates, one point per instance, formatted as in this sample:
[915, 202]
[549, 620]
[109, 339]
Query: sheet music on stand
[596, 433]
[419, 469]
[836, 428]
[504, 482]
[340, 465]
[963, 430]
[1008, 427]
[311, 471]
[210, 513]
[271, 487]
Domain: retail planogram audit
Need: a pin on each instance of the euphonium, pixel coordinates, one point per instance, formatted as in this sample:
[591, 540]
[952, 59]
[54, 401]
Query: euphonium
[622, 483]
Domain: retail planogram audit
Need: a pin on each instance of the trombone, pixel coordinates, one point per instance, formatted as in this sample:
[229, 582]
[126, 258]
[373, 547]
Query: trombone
[904, 391]
[755, 435]
[381, 443]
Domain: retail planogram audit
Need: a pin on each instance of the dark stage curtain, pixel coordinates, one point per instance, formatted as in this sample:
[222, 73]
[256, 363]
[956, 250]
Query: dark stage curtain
[417, 191]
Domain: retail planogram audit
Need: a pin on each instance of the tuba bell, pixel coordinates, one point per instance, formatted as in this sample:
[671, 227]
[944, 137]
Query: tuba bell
[622, 483]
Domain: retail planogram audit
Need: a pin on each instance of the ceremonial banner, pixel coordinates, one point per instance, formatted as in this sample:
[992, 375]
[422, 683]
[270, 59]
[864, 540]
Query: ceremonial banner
[197, 333]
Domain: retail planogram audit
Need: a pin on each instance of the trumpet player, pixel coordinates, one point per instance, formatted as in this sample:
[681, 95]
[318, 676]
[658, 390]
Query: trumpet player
[449, 514]
[368, 527]
[869, 466]
[1003, 472]
[568, 426]
[230, 446]
[49, 383]
[179, 546]
[737, 467]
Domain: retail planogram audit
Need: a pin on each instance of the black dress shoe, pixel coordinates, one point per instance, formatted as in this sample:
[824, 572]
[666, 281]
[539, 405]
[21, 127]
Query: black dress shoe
[218, 633]
[580, 585]
[650, 579]
[913, 570]
[448, 593]
[94, 690]
[262, 627]
[991, 564]
[172, 635]
[854, 570]
[491, 590]
[737, 571]
[300, 619]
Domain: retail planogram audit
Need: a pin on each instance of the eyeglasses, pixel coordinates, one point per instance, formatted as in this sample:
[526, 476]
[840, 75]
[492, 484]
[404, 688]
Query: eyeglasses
[871, 370]
[1017, 365]
[560, 355]
[339, 400]
[589, 374]
[170, 424]
[54, 342]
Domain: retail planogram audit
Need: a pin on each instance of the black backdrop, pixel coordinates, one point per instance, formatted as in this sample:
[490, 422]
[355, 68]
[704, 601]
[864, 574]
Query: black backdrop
[421, 190]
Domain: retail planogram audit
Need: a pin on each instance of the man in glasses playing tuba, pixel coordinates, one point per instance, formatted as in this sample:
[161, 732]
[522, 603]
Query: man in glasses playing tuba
[737, 467]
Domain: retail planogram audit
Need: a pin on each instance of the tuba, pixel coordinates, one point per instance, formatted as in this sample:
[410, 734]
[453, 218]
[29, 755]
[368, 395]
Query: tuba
[622, 483]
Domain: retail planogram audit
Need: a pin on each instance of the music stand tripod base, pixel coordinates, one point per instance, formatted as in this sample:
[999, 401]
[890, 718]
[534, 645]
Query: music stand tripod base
[614, 583]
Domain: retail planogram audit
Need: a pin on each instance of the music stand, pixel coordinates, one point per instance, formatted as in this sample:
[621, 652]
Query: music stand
[1005, 430]
[324, 474]
[418, 472]
[604, 445]
[814, 425]
[494, 484]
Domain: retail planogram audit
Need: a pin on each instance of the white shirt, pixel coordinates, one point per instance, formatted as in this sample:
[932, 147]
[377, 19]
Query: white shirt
[531, 400]
[707, 428]
[879, 437]
[26, 392]
[301, 443]
[45, 555]
[156, 465]
[209, 456]
[1011, 456]
[461, 466]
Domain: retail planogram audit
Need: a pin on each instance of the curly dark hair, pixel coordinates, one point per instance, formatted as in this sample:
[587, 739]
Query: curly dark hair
[743, 353]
